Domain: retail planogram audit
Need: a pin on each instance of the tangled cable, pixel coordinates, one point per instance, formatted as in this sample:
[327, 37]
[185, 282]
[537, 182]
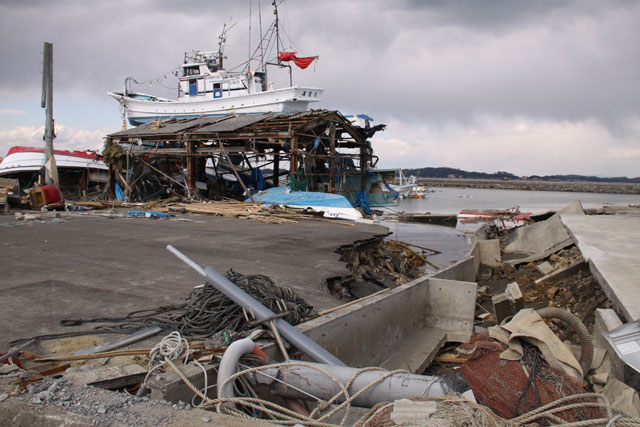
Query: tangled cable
[205, 312]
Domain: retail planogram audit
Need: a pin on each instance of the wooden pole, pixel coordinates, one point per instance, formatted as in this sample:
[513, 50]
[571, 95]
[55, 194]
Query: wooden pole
[235, 172]
[50, 169]
[332, 159]
[276, 168]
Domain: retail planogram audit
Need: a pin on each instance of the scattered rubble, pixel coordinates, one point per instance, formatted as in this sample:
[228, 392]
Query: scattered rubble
[509, 377]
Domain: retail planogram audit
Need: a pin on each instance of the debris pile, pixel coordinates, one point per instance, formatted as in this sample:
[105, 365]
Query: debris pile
[376, 264]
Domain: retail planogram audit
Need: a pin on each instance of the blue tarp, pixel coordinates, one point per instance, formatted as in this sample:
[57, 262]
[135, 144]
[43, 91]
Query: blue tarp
[279, 196]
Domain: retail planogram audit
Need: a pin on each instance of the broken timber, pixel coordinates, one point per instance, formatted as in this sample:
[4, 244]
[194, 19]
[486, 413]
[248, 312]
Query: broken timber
[315, 143]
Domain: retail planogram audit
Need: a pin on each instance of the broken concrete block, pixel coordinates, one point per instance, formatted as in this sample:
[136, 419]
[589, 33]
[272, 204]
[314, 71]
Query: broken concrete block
[489, 251]
[564, 271]
[411, 411]
[515, 295]
[574, 208]
[119, 376]
[545, 267]
[508, 303]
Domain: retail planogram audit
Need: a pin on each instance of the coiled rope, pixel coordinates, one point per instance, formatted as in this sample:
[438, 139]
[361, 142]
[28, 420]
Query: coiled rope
[204, 313]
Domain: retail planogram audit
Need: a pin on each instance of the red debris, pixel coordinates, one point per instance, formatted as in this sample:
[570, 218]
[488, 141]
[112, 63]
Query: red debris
[498, 383]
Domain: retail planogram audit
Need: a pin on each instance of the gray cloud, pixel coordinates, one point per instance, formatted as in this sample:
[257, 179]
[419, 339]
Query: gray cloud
[418, 62]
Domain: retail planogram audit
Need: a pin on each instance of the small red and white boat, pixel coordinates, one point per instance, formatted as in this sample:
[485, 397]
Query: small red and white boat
[504, 219]
[31, 159]
[474, 215]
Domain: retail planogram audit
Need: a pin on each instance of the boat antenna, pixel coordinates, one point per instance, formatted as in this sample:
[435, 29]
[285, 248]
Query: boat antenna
[277, 27]
[261, 36]
[222, 40]
[249, 63]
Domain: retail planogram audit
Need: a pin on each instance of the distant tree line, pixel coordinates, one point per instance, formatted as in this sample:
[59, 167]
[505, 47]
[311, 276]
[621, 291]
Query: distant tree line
[453, 173]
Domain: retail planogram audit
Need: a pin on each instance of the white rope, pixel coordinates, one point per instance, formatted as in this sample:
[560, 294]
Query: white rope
[170, 348]
[318, 417]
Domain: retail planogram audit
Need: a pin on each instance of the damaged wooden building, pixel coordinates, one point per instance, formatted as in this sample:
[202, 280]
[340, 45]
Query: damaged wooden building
[235, 155]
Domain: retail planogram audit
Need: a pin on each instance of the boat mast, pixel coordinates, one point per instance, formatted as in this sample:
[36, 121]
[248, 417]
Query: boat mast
[277, 28]
[221, 41]
[249, 61]
[261, 37]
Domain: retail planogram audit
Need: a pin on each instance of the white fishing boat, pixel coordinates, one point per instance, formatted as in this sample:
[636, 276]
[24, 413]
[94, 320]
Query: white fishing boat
[403, 186]
[205, 88]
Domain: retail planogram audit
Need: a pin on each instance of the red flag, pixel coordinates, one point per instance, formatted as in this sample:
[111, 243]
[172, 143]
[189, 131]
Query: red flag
[304, 62]
[287, 56]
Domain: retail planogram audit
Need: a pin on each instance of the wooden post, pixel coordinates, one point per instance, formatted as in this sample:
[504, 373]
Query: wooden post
[332, 159]
[191, 166]
[363, 167]
[276, 167]
[50, 169]
[294, 160]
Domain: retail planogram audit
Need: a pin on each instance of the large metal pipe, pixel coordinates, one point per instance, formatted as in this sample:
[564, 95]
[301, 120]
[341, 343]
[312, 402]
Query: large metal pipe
[300, 382]
[243, 299]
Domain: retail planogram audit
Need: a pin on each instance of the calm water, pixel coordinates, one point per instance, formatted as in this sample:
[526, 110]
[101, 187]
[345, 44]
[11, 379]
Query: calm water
[453, 242]
[452, 200]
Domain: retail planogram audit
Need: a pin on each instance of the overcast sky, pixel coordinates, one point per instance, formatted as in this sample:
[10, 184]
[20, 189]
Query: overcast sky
[529, 87]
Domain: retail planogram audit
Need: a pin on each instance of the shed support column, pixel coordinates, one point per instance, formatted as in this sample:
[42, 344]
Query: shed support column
[363, 167]
[191, 164]
[294, 159]
[332, 159]
[276, 168]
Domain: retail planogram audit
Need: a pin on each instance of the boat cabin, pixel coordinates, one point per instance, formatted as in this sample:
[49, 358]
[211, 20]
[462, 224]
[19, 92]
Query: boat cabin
[203, 79]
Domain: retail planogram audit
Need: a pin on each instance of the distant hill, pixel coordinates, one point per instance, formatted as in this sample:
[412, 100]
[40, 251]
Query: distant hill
[453, 173]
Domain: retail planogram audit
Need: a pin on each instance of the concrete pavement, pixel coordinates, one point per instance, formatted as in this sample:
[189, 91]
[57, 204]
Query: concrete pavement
[94, 266]
[611, 243]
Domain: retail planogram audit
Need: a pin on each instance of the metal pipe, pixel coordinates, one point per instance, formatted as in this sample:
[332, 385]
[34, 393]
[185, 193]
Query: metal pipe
[297, 382]
[186, 259]
[243, 299]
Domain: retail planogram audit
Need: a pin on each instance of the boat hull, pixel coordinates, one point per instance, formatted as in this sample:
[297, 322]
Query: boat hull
[292, 99]
[332, 205]
[28, 159]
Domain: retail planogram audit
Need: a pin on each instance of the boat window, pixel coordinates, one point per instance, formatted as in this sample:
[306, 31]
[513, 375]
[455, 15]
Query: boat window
[191, 71]
[216, 85]
[304, 93]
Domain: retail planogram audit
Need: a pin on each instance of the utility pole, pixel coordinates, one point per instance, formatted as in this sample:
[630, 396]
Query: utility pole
[50, 169]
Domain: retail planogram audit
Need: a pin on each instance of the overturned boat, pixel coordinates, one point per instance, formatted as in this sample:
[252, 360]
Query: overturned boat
[332, 205]
[78, 170]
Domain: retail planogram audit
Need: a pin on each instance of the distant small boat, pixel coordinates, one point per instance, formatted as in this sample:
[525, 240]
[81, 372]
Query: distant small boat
[404, 186]
[477, 215]
[503, 219]
[333, 205]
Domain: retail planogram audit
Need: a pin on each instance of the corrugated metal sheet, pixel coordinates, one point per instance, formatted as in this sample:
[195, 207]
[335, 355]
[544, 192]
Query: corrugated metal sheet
[214, 124]
[235, 122]
[169, 127]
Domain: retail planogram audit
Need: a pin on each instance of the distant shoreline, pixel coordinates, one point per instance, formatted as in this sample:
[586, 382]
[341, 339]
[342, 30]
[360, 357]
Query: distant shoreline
[573, 186]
